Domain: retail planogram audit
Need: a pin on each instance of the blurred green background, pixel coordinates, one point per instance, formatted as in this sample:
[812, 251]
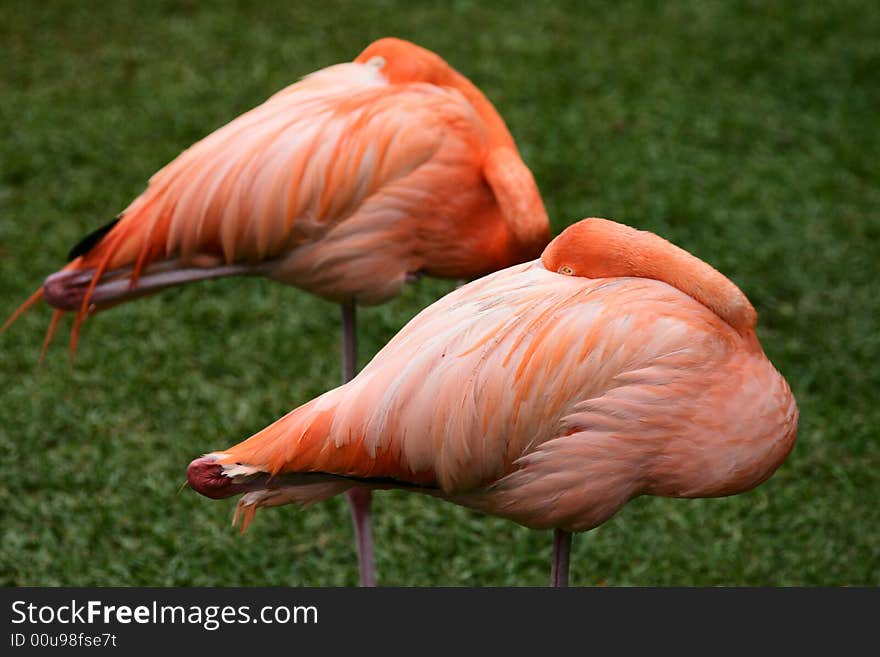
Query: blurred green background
[746, 132]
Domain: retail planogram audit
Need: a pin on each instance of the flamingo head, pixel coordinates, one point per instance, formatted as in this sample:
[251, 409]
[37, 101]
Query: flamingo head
[592, 248]
[402, 62]
[599, 248]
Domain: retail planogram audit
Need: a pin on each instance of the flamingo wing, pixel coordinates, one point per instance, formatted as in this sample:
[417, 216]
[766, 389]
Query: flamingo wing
[288, 170]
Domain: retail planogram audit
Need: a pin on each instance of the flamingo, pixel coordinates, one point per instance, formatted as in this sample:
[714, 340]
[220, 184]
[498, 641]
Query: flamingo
[549, 393]
[347, 184]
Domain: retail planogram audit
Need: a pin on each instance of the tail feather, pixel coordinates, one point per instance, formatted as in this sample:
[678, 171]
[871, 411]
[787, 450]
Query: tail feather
[29, 303]
[149, 250]
[53, 325]
[114, 239]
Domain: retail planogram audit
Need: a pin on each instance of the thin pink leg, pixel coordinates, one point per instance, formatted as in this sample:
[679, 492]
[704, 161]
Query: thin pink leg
[561, 553]
[358, 498]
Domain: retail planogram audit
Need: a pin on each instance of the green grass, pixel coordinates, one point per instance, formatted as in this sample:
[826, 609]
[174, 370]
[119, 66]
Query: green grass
[746, 132]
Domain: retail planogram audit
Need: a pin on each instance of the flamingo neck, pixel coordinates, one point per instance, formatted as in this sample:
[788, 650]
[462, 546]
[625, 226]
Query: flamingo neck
[598, 248]
[499, 135]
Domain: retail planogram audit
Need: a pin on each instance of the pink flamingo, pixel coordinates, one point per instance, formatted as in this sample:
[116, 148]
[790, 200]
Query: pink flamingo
[549, 393]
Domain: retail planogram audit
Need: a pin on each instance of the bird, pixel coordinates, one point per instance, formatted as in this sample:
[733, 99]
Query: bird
[347, 184]
[549, 393]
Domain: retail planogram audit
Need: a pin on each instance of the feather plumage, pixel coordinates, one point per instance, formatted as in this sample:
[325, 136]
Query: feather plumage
[551, 399]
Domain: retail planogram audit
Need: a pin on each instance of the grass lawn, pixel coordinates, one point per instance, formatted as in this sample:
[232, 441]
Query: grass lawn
[746, 132]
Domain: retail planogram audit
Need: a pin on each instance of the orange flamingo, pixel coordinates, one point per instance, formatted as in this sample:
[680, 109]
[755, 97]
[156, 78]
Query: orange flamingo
[347, 184]
[549, 393]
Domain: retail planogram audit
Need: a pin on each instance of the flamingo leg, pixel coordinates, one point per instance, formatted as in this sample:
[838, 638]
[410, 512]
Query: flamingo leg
[359, 499]
[561, 553]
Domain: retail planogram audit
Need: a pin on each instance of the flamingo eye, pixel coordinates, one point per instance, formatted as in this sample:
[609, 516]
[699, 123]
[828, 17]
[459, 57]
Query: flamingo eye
[565, 270]
[376, 62]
